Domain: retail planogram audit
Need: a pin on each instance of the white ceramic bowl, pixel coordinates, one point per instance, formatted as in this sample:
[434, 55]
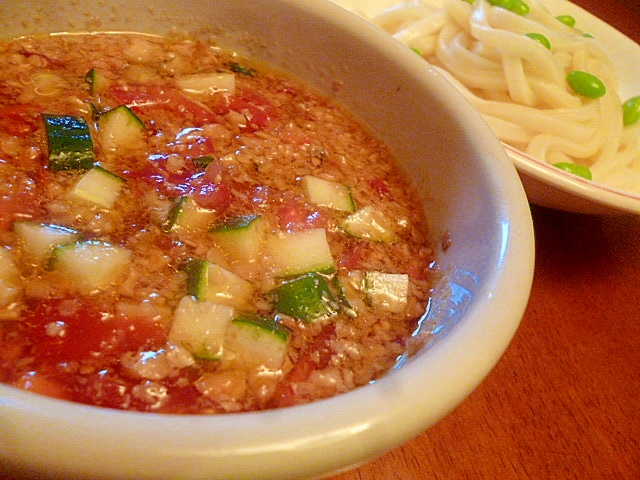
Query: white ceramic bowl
[470, 191]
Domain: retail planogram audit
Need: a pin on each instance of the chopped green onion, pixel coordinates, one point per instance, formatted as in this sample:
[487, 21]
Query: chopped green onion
[568, 20]
[538, 37]
[631, 111]
[204, 161]
[417, 50]
[575, 169]
[585, 84]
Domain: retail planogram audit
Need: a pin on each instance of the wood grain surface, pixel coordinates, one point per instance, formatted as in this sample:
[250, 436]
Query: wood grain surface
[564, 401]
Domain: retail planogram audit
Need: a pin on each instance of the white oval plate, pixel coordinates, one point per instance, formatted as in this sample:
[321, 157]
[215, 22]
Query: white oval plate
[546, 185]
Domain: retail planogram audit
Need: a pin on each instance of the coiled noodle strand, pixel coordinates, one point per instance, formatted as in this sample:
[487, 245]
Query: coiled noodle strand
[520, 84]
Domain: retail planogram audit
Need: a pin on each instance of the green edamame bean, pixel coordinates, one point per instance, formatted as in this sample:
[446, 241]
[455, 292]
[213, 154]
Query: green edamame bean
[538, 37]
[516, 6]
[575, 168]
[521, 8]
[585, 84]
[631, 111]
[567, 20]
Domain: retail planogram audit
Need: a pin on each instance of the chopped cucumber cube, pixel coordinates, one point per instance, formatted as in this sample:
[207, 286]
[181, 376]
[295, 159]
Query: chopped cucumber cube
[240, 238]
[90, 265]
[10, 285]
[328, 194]
[301, 252]
[340, 291]
[370, 224]
[258, 342]
[120, 128]
[201, 327]
[306, 298]
[8, 268]
[387, 291]
[38, 240]
[208, 83]
[69, 140]
[97, 81]
[209, 281]
[98, 186]
[187, 215]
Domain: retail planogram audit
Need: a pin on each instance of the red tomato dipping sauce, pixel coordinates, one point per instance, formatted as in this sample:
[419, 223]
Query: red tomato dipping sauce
[185, 231]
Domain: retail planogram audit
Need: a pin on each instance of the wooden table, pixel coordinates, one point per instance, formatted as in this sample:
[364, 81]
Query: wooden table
[564, 401]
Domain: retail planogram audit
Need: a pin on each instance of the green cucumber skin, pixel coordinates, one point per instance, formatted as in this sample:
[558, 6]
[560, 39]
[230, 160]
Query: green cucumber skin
[234, 224]
[328, 193]
[369, 224]
[40, 239]
[119, 128]
[90, 265]
[127, 114]
[241, 239]
[200, 327]
[96, 80]
[265, 325]
[172, 218]
[70, 143]
[342, 299]
[109, 174]
[187, 215]
[307, 298]
[99, 186]
[196, 277]
[258, 342]
[301, 252]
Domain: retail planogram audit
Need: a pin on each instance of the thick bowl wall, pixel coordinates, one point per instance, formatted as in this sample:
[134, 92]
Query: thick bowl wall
[471, 194]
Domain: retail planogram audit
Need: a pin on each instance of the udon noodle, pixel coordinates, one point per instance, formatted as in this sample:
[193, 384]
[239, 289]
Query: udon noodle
[520, 85]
